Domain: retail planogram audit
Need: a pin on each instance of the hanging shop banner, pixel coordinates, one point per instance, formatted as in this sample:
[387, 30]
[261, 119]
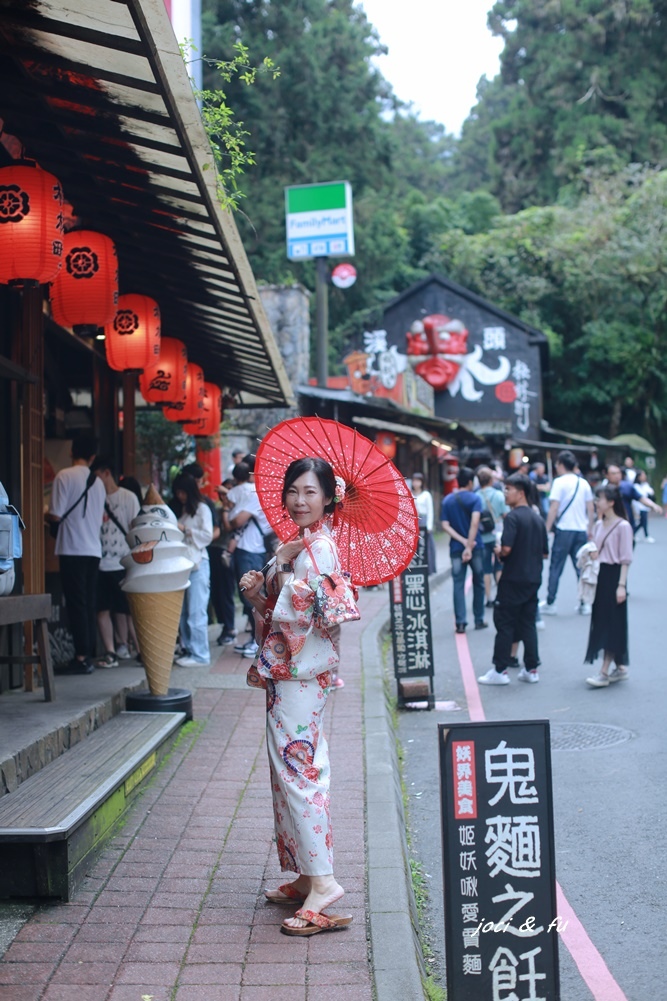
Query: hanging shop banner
[501, 921]
[411, 617]
[318, 218]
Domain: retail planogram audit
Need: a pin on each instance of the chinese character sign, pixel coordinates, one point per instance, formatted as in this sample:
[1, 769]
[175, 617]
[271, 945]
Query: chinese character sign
[501, 925]
[411, 617]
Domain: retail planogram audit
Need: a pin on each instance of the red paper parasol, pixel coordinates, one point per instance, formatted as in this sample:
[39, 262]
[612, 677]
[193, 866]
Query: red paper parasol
[377, 527]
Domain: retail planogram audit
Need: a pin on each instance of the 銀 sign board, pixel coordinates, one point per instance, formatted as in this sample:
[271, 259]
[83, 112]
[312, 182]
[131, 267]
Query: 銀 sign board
[501, 923]
[319, 220]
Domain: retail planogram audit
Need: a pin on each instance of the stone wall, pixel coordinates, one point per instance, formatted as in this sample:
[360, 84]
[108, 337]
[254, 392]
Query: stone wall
[288, 311]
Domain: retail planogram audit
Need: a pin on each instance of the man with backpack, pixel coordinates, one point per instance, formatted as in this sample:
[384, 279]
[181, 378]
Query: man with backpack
[460, 514]
[75, 512]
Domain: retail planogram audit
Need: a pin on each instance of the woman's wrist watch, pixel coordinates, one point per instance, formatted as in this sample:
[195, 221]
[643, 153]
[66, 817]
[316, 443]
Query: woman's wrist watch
[285, 568]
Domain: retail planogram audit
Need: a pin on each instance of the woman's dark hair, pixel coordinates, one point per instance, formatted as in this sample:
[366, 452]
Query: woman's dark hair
[323, 472]
[613, 494]
[418, 476]
[193, 497]
[129, 483]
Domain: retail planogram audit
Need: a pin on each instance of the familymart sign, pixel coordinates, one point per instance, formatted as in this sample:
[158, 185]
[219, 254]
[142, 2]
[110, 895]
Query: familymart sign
[319, 220]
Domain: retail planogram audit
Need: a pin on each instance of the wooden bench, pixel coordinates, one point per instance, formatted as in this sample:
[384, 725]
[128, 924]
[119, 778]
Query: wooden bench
[19, 608]
[57, 821]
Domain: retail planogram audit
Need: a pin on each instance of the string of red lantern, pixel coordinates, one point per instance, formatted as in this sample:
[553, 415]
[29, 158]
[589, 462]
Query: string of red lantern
[209, 423]
[192, 408]
[164, 381]
[132, 338]
[85, 292]
[31, 225]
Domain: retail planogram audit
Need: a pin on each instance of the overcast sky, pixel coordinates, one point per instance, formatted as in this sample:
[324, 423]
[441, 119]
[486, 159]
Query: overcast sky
[438, 50]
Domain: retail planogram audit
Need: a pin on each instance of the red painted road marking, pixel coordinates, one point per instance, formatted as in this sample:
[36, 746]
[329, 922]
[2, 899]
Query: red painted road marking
[475, 707]
[590, 963]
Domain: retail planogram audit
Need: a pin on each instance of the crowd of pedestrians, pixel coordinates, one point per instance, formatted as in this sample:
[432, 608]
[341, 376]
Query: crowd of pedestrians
[89, 515]
[501, 529]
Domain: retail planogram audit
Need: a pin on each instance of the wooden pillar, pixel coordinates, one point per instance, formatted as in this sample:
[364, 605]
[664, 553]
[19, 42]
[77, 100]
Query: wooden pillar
[30, 354]
[105, 416]
[129, 424]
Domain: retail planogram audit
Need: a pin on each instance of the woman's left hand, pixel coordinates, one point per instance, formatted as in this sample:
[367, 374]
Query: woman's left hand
[621, 594]
[288, 551]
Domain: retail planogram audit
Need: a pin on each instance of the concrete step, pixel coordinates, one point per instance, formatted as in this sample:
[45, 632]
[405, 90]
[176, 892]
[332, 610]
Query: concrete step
[56, 822]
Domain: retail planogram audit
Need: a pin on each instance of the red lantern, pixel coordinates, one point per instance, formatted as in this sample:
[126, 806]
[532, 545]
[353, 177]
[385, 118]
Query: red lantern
[386, 442]
[192, 408]
[85, 293]
[210, 422]
[164, 380]
[132, 337]
[31, 225]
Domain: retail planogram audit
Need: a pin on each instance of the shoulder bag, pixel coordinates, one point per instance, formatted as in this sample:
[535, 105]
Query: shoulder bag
[555, 524]
[335, 596]
[55, 525]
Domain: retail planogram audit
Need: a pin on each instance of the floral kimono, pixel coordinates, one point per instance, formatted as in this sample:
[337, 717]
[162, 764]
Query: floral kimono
[296, 661]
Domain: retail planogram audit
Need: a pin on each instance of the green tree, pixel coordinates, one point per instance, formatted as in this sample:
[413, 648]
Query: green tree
[582, 88]
[594, 278]
[160, 444]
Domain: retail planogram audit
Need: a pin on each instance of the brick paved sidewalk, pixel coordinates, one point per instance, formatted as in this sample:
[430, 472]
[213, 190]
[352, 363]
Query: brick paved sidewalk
[174, 909]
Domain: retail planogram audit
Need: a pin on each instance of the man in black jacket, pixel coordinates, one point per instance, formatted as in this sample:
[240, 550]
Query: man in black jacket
[522, 549]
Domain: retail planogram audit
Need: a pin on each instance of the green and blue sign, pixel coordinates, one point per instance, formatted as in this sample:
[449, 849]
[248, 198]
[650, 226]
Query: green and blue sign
[319, 220]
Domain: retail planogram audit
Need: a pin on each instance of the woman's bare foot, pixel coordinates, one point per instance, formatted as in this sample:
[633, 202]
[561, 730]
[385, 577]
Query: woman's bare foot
[299, 889]
[324, 892]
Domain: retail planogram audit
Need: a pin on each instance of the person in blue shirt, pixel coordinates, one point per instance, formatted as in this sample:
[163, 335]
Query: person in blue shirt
[460, 513]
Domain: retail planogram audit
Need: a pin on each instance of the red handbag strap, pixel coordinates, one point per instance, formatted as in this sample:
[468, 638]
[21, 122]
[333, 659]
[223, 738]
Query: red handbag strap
[312, 555]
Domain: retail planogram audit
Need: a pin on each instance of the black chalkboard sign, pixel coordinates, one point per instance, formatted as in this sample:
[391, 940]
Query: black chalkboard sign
[501, 922]
[411, 618]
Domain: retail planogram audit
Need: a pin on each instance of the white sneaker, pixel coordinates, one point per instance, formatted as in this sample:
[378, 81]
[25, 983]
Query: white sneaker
[598, 681]
[251, 650]
[539, 624]
[584, 609]
[547, 609]
[493, 677]
[649, 538]
[530, 677]
[123, 652]
[192, 662]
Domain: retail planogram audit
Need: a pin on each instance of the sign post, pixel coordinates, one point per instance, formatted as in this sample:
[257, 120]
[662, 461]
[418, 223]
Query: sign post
[319, 225]
[411, 630]
[501, 921]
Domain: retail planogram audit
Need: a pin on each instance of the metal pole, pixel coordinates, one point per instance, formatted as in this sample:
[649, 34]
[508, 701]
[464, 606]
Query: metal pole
[322, 320]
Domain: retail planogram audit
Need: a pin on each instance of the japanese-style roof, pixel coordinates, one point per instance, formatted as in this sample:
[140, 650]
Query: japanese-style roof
[98, 94]
[415, 290]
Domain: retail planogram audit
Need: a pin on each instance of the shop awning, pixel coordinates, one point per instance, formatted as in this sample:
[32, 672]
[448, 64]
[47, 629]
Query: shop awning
[98, 94]
[405, 429]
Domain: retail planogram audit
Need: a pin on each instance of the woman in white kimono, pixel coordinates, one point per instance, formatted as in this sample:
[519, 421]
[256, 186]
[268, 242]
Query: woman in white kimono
[295, 663]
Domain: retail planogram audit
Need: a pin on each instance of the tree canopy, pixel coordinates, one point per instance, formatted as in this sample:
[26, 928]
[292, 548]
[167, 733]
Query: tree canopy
[551, 203]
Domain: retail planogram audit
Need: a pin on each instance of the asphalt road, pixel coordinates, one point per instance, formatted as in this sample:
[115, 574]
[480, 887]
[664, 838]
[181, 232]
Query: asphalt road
[610, 802]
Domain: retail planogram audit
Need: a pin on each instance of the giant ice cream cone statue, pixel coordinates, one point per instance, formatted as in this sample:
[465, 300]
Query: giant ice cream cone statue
[157, 573]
